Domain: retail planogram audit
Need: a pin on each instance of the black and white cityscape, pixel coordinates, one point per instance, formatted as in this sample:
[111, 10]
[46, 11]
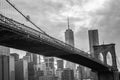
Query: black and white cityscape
[59, 40]
[37, 67]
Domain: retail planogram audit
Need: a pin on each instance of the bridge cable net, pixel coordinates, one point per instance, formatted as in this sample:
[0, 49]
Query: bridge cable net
[11, 15]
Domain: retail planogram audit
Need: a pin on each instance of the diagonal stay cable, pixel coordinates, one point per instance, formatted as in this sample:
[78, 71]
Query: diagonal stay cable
[25, 16]
[31, 21]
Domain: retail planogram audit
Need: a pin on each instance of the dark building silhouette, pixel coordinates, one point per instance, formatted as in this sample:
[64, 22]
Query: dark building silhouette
[21, 70]
[7, 67]
[31, 71]
[4, 67]
[68, 74]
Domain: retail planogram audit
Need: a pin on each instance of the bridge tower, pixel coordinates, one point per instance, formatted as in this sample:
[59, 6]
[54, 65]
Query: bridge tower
[104, 50]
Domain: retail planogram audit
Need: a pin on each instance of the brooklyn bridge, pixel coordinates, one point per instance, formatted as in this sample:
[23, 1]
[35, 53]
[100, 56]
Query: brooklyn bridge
[16, 35]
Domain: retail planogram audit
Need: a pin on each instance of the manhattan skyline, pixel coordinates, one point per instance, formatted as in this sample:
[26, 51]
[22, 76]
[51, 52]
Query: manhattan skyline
[51, 16]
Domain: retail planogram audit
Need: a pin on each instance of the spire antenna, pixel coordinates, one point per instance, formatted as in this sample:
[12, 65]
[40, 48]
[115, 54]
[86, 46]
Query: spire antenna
[68, 22]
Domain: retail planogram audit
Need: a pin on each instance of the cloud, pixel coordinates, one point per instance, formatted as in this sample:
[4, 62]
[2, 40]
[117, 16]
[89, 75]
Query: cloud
[84, 11]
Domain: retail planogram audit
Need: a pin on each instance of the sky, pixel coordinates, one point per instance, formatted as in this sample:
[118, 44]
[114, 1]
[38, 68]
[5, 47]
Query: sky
[51, 16]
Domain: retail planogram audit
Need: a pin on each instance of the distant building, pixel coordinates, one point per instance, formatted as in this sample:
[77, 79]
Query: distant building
[93, 40]
[50, 77]
[16, 56]
[35, 58]
[4, 67]
[49, 64]
[69, 39]
[21, 70]
[4, 50]
[27, 58]
[59, 73]
[7, 68]
[43, 66]
[31, 71]
[12, 67]
[5, 73]
[68, 74]
[39, 73]
[30, 55]
[60, 64]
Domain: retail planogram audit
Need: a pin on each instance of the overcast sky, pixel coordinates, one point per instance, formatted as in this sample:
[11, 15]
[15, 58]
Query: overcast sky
[51, 16]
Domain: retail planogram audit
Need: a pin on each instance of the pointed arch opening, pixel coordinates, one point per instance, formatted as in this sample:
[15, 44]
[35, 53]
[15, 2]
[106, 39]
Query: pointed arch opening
[109, 59]
[101, 58]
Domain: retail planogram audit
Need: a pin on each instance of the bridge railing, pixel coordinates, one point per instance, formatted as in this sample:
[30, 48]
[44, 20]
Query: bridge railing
[22, 27]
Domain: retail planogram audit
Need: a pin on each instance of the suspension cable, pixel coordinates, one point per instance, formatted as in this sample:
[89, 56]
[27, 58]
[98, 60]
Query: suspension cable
[25, 17]
[30, 21]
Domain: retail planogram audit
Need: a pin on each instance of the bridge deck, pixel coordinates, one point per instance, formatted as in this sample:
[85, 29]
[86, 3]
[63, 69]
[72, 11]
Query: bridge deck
[19, 36]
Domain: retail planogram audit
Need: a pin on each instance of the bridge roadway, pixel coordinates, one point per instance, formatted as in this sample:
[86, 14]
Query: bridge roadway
[16, 35]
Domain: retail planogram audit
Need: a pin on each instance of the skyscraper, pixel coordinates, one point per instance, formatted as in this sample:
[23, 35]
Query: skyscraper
[69, 36]
[34, 58]
[49, 64]
[12, 67]
[21, 70]
[4, 67]
[7, 71]
[93, 40]
[69, 39]
[7, 68]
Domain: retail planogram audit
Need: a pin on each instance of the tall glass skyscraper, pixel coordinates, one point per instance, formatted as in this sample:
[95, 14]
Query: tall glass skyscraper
[69, 39]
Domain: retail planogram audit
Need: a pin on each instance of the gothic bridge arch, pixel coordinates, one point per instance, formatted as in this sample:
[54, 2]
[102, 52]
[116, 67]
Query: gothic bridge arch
[104, 50]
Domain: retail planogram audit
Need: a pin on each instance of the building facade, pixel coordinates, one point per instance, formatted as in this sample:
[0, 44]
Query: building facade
[59, 73]
[4, 50]
[60, 64]
[69, 39]
[16, 56]
[68, 74]
[21, 70]
[12, 67]
[49, 64]
[4, 67]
